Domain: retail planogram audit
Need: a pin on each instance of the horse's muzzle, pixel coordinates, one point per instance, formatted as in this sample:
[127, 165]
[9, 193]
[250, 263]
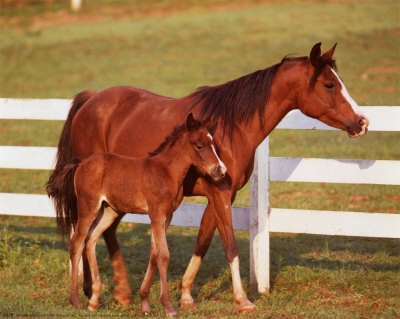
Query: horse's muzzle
[360, 128]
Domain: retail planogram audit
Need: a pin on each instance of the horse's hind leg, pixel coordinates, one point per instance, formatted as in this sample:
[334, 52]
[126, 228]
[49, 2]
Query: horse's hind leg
[107, 219]
[122, 290]
[76, 248]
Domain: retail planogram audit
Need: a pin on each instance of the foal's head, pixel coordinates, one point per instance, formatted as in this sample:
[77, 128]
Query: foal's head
[202, 150]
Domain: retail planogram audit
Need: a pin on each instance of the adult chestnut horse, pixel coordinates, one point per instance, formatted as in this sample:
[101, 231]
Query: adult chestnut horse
[244, 111]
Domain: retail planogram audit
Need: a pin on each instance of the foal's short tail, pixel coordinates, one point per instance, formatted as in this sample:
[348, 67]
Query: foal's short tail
[60, 186]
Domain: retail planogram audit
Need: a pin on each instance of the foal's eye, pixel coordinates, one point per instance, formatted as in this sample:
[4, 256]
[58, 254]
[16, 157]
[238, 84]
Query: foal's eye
[329, 85]
[199, 146]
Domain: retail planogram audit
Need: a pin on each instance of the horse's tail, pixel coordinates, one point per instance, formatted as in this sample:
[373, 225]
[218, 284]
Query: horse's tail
[60, 186]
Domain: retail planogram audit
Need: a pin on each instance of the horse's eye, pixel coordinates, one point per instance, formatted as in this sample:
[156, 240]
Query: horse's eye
[199, 146]
[329, 85]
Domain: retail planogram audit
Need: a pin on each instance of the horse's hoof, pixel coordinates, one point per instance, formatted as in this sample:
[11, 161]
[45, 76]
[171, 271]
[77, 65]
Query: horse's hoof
[122, 296]
[187, 303]
[246, 307]
[92, 307]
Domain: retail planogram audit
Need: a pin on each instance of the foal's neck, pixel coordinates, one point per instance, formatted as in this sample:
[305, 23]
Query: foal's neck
[175, 157]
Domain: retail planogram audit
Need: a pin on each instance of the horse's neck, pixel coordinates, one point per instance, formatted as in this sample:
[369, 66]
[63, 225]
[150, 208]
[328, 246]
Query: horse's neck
[281, 101]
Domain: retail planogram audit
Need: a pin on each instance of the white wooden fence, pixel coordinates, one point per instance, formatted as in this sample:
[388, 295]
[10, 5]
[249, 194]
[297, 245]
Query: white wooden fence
[260, 219]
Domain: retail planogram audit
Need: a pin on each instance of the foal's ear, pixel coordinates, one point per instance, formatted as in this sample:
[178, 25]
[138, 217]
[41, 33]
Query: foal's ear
[329, 53]
[315, 54]
[191, 123]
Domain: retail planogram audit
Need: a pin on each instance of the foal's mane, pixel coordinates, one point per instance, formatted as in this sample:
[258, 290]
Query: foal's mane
[239, 100]
[170, 139]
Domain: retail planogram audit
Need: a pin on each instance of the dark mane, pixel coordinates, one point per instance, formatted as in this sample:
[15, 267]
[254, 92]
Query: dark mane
[170, 139]
[238, 100]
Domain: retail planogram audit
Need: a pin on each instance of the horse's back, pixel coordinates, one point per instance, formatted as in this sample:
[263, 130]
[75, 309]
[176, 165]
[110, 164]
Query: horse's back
[125, 120]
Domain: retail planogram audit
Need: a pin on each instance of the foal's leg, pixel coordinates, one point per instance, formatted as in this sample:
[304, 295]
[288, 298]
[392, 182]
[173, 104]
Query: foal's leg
[159, 255]
[97, 286]
[158, 228]
[151, 268]
[77, 245]
[122, 290]
[148, 277]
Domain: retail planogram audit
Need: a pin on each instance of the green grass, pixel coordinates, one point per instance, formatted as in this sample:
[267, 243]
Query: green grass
[171, 47]
[312, 276]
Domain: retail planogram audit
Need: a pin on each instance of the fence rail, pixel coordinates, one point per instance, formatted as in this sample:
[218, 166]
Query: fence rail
[260, 219]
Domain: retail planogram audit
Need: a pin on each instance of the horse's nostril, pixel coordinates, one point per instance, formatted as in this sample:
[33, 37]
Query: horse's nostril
[362, 122]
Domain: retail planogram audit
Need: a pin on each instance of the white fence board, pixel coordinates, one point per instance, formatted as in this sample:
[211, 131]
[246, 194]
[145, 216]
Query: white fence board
[41, 206]
[280, 220]
[382, 118]
[34, 109]
[335, 223]
[385, 118]
[381, 172]
[282, 169]
[27, 157]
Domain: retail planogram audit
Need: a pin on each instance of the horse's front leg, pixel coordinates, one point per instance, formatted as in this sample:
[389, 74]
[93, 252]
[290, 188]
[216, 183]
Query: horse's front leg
[122, 291]
[222, 204]
[204, 238]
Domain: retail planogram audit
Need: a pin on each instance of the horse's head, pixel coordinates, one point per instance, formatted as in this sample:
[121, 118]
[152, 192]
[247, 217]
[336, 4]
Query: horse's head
[326, 97]
[204, 155]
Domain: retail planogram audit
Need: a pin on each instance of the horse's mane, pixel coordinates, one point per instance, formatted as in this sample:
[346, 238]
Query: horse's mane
[239, 100]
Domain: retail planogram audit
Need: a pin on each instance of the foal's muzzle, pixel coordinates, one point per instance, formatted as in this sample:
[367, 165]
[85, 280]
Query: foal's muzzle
[218, 171]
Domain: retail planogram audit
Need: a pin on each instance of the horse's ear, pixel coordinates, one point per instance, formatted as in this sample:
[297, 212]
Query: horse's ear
[315, 54]
[191, 123]
[329, 53]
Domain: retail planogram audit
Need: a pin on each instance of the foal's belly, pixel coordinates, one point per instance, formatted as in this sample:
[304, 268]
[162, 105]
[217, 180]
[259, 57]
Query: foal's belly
[135, 203]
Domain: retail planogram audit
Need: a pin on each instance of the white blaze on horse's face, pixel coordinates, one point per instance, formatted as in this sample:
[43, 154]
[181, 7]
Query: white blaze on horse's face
[354, 106]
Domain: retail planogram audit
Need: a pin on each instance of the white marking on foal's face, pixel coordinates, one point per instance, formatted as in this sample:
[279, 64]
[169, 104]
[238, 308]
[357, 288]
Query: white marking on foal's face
[221, 164]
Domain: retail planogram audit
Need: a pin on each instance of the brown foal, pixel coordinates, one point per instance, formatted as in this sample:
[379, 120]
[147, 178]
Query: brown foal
[137, 185]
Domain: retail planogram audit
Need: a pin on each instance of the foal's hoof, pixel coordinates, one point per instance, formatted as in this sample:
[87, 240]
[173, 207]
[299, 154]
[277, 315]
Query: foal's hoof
[246, 307]
[75, 302]
[170, 314]
[187, 303]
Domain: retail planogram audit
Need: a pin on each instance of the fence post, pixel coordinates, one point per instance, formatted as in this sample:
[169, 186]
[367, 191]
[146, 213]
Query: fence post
[76, 5]
[259, 221]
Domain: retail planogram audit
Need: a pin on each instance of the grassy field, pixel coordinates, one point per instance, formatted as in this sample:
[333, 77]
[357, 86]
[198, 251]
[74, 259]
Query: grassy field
[171, 47]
